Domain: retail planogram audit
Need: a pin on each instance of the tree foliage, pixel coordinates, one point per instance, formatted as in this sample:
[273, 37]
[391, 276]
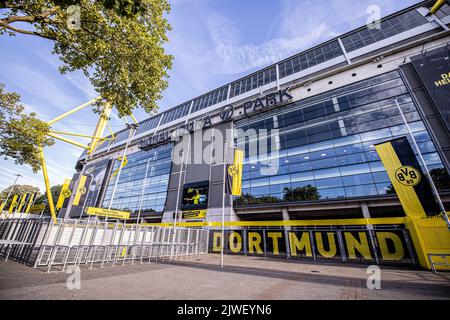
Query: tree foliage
[19, 189]
[117, 44]
[55, 191]
[20, 133]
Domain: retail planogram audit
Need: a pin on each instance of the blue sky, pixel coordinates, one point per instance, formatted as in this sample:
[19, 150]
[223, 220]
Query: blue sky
[213, 42]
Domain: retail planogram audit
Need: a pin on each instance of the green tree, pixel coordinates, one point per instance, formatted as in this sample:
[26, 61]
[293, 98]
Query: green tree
[117, 44]
[20, 133]
[19, 189]
[55, 191]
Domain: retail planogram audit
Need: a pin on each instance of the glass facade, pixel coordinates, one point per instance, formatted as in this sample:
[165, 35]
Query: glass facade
[326, 144]
[253, 81]
[388, 28]
[310, 58]
[359, 38]
[143, 181]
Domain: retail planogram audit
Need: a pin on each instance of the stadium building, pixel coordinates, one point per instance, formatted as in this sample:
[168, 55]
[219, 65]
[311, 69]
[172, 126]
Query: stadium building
[324, 110]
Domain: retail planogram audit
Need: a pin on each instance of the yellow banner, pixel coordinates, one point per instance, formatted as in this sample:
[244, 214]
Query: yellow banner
[13, 204]
[38, 208]
[108, 213]
[30, 202]
[235, 171]
[399, 176]
[65, 193]
[80, 191]
[194, 214]
[22, 202]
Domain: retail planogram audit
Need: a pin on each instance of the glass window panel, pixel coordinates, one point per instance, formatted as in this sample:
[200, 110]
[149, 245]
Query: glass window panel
[334, 193]
[329, 183]
[326, 173]
[302, 176]
[355, 169]
[357, 179]
[361, 191]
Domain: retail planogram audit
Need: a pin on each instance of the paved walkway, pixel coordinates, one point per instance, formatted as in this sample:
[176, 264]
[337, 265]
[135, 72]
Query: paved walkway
[242, 278]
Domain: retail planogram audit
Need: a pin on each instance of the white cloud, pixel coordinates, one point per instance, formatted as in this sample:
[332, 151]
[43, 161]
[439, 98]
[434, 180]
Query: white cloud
[232, 57]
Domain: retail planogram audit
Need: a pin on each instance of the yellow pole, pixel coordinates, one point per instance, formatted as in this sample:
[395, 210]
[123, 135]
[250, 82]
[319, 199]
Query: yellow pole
[111, 131]
[101, 125]
[134, 119]
[47, 185]
[67, 140]
[73, 111]
[437, 6]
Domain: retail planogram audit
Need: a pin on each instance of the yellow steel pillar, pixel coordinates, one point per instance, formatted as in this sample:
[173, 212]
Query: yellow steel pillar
[47, 185]
[101, 126]
[437, 6]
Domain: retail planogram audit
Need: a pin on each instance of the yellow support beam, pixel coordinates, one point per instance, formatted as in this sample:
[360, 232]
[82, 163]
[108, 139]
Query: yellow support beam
[101, 126]
[68, 140]
[437, 6]
[78, 135]
[111, 131]
[73, 111]
[47, 185]
[134, 119]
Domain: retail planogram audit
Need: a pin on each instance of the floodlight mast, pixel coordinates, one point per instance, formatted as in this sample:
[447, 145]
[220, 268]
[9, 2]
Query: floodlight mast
[95, 139]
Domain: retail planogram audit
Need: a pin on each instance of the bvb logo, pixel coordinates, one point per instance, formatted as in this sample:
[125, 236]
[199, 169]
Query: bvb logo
[233, 170]
[408, 176]
[66, 193]
[82, 190]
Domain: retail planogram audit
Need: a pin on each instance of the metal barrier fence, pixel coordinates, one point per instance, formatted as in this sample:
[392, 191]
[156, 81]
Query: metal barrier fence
[444, 261]
[85, 242]
[76, 242]
[20, 238]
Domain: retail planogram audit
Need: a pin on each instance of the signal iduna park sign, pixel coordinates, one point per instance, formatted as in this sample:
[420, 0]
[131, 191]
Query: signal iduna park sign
[388, 245]
[108, 213]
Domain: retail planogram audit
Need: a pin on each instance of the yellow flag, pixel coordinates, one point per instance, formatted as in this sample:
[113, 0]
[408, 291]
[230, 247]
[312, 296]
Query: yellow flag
[13, 204]
[30, 202]
[235, 172]
[80, 191]
[65, 193]
[22, 202]
[407, 179]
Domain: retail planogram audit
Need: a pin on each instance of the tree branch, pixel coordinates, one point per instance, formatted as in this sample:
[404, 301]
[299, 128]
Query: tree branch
[33, 33]
[6, 22]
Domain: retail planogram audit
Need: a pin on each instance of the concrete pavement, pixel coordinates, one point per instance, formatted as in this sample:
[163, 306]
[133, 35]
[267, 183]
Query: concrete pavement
[242, 278]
